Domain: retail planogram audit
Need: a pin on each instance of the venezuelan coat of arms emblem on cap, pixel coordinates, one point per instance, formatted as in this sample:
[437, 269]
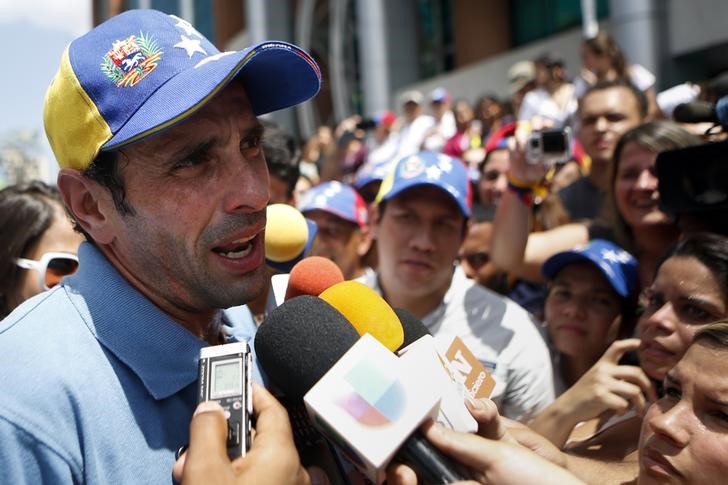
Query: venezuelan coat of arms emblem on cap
[131, 60]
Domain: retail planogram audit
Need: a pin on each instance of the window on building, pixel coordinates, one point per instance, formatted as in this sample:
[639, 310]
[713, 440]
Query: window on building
[535, 19]
[437, 48]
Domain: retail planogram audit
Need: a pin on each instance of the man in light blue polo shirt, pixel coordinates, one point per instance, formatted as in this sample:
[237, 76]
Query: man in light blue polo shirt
[156, 135]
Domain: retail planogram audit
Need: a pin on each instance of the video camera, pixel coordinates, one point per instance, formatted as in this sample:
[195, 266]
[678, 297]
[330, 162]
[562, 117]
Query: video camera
[693, 184]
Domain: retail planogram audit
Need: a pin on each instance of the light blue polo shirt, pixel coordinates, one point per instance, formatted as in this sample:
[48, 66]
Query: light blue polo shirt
[97, 385]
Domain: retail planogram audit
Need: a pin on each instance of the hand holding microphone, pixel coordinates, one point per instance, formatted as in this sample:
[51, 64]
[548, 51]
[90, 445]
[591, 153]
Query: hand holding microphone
[272, 457]
[495, 462]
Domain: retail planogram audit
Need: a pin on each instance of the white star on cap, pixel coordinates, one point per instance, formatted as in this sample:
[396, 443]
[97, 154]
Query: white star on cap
[433, 173]
[186, 26]
[332, 190]
[445, 164]
[615, 256]
[190, 45]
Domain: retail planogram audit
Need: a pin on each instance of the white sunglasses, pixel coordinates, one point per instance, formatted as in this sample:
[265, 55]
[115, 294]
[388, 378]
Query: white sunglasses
[51, 268]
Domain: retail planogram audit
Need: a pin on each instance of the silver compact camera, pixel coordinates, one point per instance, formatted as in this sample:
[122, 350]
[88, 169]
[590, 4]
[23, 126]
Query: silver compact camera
[549, 147]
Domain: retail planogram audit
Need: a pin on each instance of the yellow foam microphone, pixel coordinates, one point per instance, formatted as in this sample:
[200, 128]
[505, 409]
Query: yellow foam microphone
[366, 311]
[286, 233]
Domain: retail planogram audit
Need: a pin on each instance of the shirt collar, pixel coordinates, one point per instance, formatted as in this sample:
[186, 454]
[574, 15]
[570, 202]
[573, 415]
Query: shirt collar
[162, 353]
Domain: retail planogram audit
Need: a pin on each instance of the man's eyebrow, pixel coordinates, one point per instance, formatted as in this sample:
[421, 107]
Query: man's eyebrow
[193, 151]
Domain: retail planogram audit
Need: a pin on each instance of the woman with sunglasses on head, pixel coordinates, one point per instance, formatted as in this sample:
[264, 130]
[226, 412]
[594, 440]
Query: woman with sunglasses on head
[37, 243]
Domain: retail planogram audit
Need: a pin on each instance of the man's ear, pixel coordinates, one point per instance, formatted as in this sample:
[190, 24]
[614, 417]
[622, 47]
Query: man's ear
[365, 241]
[89, 202]
[374, 218]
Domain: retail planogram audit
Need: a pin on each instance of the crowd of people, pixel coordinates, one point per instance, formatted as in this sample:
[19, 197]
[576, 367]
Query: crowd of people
[601, 317]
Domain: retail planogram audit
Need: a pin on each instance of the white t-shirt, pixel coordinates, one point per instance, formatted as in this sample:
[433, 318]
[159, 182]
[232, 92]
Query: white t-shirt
[441, 133]
[411, 136]
[539, 102]
[501, 335]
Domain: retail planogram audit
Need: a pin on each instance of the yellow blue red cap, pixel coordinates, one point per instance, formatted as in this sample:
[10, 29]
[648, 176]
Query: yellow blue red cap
[143, 71]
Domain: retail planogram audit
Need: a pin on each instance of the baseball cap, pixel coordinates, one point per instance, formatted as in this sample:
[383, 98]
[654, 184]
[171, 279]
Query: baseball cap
[439, 95]
[386, 118]
[429, 168]
[617, 265]
[143, 71]
[411, 96]
[520, 74]
[337, 199]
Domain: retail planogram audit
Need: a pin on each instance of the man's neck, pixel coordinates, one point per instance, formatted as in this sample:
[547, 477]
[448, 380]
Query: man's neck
[204, 324]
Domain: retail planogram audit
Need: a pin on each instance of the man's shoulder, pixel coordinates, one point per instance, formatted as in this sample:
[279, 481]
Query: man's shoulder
[493, 310]
[46, 347]
[37, 322]
[46, 362]
[473, 294]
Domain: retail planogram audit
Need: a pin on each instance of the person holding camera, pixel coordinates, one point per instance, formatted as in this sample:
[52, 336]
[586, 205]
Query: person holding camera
[632, 218]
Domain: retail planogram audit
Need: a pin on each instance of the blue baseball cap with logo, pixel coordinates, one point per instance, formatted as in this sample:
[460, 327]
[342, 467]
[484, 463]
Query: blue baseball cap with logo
[143, 71]
[617, 265]
[337, 199]
[429, 168]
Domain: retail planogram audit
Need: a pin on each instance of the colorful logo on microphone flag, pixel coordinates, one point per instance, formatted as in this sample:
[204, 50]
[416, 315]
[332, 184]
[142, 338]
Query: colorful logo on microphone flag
[375, 397]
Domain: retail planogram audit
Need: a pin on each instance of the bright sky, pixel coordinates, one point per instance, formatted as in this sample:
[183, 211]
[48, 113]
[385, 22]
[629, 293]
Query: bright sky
[34, 33]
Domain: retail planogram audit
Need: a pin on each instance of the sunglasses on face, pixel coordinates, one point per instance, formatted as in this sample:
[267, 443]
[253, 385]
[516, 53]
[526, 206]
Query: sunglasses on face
[51, 268]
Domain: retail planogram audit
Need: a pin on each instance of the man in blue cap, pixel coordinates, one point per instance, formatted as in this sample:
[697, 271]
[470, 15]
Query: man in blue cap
[419, 222]
[158, 142]
[340, 215]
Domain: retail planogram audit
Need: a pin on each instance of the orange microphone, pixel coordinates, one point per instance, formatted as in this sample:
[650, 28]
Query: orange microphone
[311, 276]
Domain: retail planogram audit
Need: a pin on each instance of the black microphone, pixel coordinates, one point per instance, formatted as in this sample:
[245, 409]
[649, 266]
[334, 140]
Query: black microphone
[277, 356]
[302, 340]
[703, 112]
[413, 327]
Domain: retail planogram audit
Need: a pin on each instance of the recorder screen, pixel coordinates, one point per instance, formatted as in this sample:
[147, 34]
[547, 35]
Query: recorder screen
[227, 378]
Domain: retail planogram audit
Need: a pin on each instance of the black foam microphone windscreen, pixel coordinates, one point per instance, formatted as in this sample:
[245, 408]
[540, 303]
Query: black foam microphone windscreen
[412, 326]
[695, 112]
[300, 341]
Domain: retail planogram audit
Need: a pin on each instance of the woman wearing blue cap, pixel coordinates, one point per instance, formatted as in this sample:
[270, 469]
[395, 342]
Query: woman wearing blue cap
[591, 303]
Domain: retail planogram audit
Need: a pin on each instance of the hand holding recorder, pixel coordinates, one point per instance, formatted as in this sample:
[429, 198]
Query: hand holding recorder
[272, 458]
